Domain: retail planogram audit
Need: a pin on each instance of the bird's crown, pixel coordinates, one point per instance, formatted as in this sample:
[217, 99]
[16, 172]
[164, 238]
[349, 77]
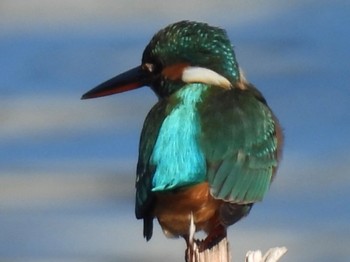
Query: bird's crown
[204, 51]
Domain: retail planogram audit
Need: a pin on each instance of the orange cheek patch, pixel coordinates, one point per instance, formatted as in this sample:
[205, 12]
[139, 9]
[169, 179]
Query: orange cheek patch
[174, 72]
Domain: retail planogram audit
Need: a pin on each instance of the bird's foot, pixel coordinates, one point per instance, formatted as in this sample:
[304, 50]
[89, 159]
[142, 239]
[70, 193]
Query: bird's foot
[213, 238]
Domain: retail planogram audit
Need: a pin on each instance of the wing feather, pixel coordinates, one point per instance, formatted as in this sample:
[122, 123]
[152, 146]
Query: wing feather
[151, 127]
[239, 142]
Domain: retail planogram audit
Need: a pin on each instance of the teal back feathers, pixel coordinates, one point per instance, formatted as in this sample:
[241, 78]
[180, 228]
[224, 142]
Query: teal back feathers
[225, 137]
[240, 144]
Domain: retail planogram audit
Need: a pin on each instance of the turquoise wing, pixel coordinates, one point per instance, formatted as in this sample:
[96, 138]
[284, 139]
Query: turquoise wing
[240, 144]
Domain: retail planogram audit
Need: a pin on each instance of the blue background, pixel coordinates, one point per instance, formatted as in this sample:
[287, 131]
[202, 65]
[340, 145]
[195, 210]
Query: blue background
[67, 166]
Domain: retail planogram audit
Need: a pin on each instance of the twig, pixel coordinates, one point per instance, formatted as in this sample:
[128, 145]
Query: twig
[272, 255]
[221, 251]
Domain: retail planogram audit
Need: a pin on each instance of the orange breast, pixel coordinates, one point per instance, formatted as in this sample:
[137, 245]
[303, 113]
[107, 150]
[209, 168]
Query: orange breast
[173, 210]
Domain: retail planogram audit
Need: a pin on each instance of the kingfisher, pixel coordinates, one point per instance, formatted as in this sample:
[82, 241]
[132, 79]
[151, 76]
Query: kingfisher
[210, 147]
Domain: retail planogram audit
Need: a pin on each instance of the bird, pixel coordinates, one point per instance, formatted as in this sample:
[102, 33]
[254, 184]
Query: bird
[210, 146]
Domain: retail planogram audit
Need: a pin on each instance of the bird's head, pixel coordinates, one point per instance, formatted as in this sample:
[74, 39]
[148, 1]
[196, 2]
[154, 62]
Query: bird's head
[183, 52]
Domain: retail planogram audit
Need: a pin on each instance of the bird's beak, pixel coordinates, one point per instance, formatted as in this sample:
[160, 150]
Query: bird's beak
[131, 79]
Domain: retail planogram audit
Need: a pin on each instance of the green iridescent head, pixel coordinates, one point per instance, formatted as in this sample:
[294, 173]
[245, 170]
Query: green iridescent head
[194, 44]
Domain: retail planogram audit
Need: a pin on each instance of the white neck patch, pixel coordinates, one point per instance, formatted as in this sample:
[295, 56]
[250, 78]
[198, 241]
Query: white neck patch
[192, 74]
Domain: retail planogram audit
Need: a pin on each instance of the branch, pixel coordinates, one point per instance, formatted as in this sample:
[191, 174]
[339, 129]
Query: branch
[221, 251]
[218, 253]
[272, 255]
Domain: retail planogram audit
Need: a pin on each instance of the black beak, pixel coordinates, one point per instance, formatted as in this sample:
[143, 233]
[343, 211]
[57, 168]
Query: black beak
[131, 79]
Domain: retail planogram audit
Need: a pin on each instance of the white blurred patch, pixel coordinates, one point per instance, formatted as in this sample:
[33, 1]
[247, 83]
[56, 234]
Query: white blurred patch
[193, 74]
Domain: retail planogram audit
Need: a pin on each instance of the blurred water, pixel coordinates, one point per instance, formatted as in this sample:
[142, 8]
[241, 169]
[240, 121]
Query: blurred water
[67, 166]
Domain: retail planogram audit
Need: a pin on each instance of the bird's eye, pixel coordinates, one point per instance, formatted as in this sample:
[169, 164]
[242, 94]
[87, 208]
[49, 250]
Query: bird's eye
[148, 67]
[152, 67]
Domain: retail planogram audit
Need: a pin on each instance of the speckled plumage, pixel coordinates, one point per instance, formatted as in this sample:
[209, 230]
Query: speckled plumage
[195, 43]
